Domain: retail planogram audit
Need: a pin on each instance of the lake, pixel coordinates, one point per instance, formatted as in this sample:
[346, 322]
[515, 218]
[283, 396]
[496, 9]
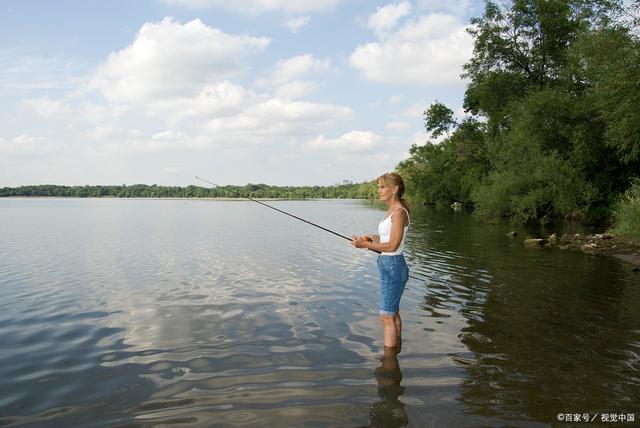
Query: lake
[118, 312]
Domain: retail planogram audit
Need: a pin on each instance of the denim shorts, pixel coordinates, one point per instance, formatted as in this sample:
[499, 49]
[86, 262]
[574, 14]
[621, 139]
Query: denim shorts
[394, 274]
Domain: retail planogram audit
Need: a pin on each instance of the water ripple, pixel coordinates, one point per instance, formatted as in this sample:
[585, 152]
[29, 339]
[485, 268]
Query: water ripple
[221, 313]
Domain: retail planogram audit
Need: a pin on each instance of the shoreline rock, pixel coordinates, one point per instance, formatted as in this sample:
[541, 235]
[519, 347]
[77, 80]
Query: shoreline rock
[535, 242]
[596, 244]
[602, 243]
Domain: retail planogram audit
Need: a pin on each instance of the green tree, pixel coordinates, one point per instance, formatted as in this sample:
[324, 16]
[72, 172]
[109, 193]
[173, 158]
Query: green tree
[523, 45]
[613, 73]
[555, 132]
[438, 119]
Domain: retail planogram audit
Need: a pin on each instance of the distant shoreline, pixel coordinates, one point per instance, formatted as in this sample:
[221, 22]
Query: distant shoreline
[143, 191]
[181, 199]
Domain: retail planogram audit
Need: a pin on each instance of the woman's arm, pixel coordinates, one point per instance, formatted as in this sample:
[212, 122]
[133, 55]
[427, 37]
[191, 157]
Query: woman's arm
[397, 231]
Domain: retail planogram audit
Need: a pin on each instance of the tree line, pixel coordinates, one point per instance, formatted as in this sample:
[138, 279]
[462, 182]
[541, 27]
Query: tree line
[553, 125]
[341, 191]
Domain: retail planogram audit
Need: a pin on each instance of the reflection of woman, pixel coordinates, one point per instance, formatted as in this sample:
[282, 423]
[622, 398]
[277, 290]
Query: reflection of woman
[389, 411]
[394, 272]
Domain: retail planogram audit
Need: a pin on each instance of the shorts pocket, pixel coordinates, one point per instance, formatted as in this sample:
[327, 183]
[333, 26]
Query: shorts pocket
[387, 263]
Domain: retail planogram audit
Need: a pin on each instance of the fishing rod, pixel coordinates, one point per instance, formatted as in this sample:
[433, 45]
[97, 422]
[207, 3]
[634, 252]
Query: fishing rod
[280, 211]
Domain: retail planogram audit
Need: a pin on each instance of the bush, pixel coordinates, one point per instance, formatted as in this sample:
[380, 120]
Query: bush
[627, 213]
[540, 189]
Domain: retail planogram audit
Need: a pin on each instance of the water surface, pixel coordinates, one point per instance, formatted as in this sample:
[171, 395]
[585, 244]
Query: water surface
[224, 313]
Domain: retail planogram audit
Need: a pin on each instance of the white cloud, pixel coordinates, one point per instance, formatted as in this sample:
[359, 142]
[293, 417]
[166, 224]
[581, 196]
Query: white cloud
[168, 140]
[455, 7]
[295, 89]
[167, 136]
[295, 24]
[354, 141]
[420, 139]
[286, 74]
[24, 71]
[173, 170]
[460, 114]
[416, 109]
[214, 100]
[168, 59]
[48, 108]
[97, 114]
[263, 123]
[386, 17]
[110, 133]
[396, 99]
[160, 142]
[294, 67]
[172, 90]
[25, 144]
[252, 7]
[277, 118]
[397, 126]
[427, 50]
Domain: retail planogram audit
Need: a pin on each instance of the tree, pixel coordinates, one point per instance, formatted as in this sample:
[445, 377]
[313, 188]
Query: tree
[552, 90]
[612, 73]
[438, 119]
[522, 47]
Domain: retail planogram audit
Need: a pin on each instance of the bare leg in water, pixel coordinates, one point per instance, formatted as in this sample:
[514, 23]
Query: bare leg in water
[392, 329]
[398, 322]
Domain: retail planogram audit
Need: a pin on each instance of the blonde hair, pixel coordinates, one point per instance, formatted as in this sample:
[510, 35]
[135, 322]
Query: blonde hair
[394, 179]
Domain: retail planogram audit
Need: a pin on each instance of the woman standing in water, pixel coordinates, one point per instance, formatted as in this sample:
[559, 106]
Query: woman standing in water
[394, 272]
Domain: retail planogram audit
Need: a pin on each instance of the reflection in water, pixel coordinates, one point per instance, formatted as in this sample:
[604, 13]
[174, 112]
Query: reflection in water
[389, 410]
[571, 346]
[543, 331]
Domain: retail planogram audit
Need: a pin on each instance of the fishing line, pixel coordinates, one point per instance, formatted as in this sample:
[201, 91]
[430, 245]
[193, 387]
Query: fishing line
[280, 211]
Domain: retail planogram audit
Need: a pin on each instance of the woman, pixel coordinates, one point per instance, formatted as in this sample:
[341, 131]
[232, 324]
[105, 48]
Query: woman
[394, 272]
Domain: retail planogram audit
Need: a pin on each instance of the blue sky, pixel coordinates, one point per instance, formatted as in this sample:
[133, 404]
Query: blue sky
[256, 91]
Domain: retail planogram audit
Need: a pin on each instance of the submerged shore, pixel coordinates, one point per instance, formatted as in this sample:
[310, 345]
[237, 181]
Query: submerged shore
[605, 244]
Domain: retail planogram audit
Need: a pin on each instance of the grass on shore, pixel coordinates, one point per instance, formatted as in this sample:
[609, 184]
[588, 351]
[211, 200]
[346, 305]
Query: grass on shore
[627, 214]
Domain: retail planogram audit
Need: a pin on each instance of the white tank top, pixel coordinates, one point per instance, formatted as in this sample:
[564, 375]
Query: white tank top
[384, 230]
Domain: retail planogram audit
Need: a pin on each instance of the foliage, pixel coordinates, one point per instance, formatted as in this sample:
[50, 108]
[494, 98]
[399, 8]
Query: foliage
[614, 74]
[554, 130]
[365, 190]
[545, 187]
[627, 213]
[462, 156]
[438, 119]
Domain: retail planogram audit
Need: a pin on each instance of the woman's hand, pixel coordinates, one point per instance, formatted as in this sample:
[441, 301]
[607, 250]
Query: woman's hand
[360, 241]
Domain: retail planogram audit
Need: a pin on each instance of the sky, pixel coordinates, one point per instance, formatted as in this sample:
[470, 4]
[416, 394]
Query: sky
[282, 92]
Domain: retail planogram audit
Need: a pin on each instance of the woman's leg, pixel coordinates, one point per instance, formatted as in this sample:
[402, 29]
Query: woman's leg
[389, 329]
[398, 322]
